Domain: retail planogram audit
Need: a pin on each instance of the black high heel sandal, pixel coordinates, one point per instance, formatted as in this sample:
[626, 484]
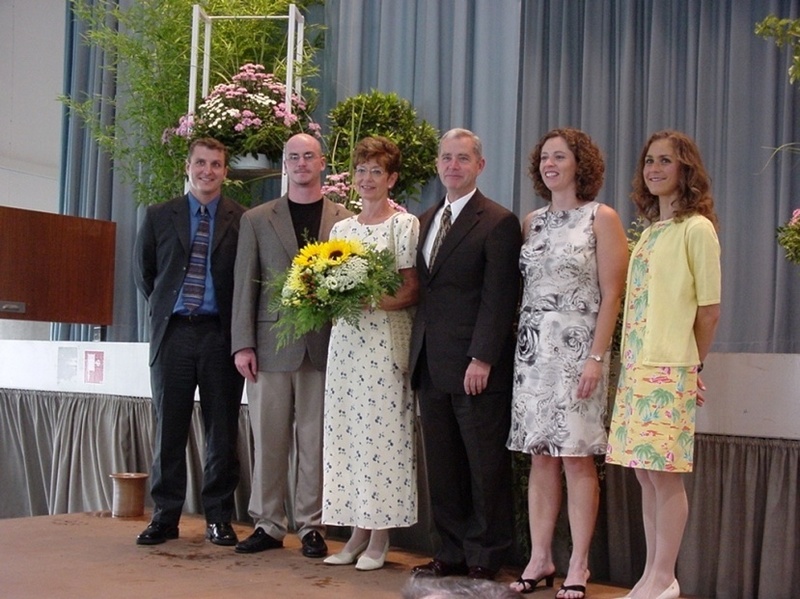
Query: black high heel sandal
[529, 584]
[577, 588]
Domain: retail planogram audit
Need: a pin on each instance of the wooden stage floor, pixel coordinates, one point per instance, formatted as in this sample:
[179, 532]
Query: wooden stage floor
[92, 555]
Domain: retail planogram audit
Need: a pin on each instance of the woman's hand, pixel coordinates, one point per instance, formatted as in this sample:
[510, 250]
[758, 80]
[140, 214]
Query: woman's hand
[592, 373]
[701, 398]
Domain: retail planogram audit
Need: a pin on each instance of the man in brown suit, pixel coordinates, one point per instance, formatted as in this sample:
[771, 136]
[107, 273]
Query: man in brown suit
[285, 387]
[462, 351]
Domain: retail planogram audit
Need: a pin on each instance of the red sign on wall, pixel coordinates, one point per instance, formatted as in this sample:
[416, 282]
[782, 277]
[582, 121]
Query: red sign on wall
[93, 366]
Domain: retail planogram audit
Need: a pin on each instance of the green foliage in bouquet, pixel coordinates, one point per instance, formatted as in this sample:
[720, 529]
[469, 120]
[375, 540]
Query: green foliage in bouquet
[330, 280]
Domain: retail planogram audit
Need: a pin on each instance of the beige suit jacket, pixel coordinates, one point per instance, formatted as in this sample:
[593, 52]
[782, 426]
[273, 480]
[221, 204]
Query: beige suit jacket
[267, 244]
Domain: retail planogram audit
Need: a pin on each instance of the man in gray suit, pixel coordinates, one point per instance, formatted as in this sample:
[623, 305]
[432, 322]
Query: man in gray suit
[184, 257]
[462, 351]
[285, 388]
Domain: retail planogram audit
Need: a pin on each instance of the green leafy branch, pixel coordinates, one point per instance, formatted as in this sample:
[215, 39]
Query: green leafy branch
[785, 32]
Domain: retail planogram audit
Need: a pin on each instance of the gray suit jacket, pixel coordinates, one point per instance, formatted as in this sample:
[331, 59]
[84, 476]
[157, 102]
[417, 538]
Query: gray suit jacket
[161, 256]
[468, 300]
[267, 244]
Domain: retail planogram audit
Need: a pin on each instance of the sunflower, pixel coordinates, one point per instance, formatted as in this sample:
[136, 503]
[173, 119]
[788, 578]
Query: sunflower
[309, 254]
[337, 251]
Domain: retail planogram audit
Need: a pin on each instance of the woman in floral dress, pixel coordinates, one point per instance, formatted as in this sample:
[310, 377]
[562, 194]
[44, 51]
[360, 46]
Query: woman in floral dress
[672, 308]
[573, 264]
[369, 472]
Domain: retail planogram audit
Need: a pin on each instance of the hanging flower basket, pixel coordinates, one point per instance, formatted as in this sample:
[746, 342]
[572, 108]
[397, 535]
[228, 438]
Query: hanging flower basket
[249, 115]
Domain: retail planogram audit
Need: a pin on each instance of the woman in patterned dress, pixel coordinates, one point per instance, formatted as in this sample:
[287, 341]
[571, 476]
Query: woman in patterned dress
[672, 308]
[573, 264]
[369, 470]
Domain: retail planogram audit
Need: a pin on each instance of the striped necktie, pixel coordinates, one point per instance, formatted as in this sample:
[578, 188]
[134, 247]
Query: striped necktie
[444, 227]
[194, 284]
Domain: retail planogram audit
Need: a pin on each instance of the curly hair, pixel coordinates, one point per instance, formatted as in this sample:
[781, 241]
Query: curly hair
[694, 184]
[590, 167]
[380, 149]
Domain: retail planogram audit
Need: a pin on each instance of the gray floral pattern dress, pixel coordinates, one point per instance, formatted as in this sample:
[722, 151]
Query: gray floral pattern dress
[561, 298]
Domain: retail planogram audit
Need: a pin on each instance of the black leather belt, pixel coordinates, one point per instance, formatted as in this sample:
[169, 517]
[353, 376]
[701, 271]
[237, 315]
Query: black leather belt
[196, 318]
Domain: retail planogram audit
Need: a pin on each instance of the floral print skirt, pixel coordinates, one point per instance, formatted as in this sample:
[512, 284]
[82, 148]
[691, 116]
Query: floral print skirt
[653, 422]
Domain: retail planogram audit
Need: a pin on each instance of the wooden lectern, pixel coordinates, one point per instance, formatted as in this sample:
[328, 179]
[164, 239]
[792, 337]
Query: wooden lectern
[56, 268]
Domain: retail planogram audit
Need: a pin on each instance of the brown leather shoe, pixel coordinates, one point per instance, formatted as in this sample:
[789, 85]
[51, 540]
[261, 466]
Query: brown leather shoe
[438, 568]
[481, 573]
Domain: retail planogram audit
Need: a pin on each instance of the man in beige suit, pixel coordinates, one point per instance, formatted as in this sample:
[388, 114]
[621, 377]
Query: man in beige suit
[285, 387]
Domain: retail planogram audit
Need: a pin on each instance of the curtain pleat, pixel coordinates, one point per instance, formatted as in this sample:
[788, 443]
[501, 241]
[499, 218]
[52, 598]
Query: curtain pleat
[743, 533]
[59, 450]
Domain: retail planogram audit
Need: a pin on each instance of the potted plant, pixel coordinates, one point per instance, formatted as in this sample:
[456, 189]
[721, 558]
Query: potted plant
[786, 31]
[145, 77]
[249, 115]
[389, 115]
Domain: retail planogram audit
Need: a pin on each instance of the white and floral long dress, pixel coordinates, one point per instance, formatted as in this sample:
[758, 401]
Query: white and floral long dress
[369, 472]
[561, 298]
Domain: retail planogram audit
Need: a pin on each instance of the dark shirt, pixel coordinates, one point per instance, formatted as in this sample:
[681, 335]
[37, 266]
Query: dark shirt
[306, 219]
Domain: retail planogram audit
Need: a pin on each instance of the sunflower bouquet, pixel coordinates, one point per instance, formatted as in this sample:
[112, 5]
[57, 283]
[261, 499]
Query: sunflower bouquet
[331, 280]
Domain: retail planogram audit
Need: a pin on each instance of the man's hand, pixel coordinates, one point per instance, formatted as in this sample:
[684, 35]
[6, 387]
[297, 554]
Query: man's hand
[476, 377]
[246, 363]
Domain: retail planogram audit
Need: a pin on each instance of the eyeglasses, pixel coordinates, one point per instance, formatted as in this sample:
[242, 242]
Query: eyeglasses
[307, 156]
[375, 172]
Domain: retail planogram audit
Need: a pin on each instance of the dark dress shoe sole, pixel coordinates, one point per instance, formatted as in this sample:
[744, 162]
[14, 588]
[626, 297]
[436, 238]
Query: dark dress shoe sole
[154, 536]
[264, 543]
[481, 573]
[222, 542]
[314, 545]
[315, 552]
[151, 541]
[221, 534]
[439, 568]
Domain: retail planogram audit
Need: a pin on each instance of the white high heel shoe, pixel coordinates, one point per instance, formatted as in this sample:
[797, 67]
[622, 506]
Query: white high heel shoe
[343, 558]
[673, 591]
[367, 563]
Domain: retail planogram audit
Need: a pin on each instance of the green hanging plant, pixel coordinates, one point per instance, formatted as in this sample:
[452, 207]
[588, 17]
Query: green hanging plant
[784, 31]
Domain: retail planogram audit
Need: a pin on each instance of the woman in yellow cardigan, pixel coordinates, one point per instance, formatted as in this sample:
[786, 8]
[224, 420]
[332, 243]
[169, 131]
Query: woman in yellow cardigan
[672, 308]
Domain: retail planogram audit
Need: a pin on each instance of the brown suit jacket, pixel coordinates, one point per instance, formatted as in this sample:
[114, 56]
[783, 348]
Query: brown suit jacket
[468, 300]
[267, 244]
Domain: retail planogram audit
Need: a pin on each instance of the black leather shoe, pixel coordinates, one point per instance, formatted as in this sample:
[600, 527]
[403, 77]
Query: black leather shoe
[221, 533]
[314, 545]
[438, 568]
[481, 573]
[157, 533]
[258, 541]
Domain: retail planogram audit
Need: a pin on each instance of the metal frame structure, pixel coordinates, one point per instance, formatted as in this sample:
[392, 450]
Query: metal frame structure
[294, 56]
